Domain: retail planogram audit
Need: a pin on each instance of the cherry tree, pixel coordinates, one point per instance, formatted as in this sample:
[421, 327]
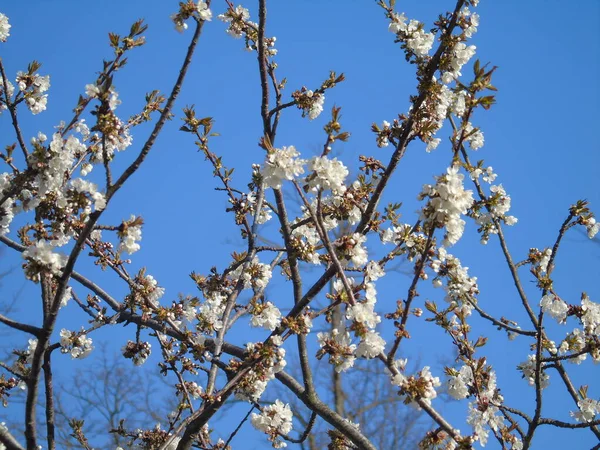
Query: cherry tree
[333, 240]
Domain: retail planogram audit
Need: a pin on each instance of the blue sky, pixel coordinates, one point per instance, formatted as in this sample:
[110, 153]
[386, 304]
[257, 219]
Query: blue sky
[540, 138]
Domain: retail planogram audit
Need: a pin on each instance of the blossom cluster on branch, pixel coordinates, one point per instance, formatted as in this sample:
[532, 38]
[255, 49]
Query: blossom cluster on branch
[340, 231]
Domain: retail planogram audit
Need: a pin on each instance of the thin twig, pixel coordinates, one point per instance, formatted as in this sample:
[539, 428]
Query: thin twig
[239, 426]
[13, 112]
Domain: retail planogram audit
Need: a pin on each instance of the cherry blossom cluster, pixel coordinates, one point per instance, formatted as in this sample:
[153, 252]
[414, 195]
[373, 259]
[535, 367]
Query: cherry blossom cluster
[489, 211]
[30, 349]
[239, 25]
[138, 352]
[468, 21]
[7, 90]
[255, 275]
[270, 359]
[285, 164]
[484, 413]
[554, 306]
[528, 369]
[310, 102]
[488, 175]
[42, 256]
[199, 10]
[327, 174]
[282, 164]
[130, 234]
[77, 344]
[4, 28]
[338, 346]
[448, 201]
[383, 133]
[330, 229]
[265, 315]
[211, 312]
[461, 55]
[417, 41]
[588, 409]
[237, 18]
[592, 227]
[33, 86]
[265, 212]
[275, 420]
[460, 288]
[580, 339]
[420, 386]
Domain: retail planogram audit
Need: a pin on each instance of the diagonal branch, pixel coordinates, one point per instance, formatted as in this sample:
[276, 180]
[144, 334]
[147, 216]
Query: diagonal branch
[31, 329]
[13, 112]
[8, 439]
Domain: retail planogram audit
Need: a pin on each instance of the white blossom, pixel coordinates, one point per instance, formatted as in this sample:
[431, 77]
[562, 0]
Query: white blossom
[91, 90]
[592, 227]
[265, 213]
[528, 370]
[137, 352]
[258, 382]
[113, 99]
[195, 390]
[203, 11]
[363, 312]
[374, 271]
[274, 419]
[341, 353]
[382, 137]
[87, 187]
[327, 174]
[480, 419]
[448, 200]
[211, 311]
[591, 316]
[153, 292]
[398, 23]
[316, 107]
[425, 382]
[352, 249]
[307, 239]
[282, 164]
[471, 29]
[33, 87]
[371, 345]
[43, 253]
[588, 408]
[257, 275]
[130, 237]
[432, 144]
[79, 346]
[6, 215]
[31, 349]
[500, 205]
[86, 168]
[458, 385]
[9, 91]
[473, 137]
[554, 306]
[460, 288]
[68, 295]
[461, 54]
[574, 342]
[235, 20]
[417, 40]
[4, 28]
[269, 316]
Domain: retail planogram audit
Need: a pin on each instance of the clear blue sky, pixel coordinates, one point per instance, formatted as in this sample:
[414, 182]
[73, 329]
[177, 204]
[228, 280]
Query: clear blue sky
[541, 138]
